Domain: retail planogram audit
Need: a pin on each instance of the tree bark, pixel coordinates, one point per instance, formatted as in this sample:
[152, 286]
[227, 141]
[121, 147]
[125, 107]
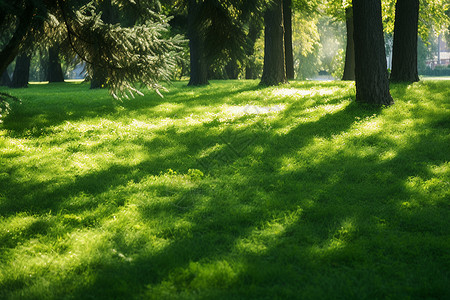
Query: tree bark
[349, 67]
[274, 70]
[288, 51]
[21, 71]
[5, 80]
[404, 53]
[199, 69]
[372, 83]
[54, 70]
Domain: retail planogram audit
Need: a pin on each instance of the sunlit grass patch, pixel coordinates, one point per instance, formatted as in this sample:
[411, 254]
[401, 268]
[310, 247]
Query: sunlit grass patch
[225, 191]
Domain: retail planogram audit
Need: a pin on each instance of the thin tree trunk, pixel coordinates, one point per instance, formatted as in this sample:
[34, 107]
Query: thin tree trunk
[21, 71]
[349, 68]
[439, 50]
[5, 80]
[100, 74]
[372, 83]
[274, 71]
[289, 54]
[199, 69]
[251, 70]
[54, 70]
[404, 52]
[232, 69]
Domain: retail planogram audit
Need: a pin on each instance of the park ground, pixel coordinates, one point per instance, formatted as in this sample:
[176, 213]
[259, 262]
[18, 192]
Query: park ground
[229, 191]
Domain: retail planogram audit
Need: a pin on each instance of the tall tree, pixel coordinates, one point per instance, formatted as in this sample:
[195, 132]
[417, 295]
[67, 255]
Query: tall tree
[372, 84]
[288, 51]
[274, 70]
[5, 80]
[198, 63]
[21, 71]
[54, 70]
[349, 64]
[404, 56]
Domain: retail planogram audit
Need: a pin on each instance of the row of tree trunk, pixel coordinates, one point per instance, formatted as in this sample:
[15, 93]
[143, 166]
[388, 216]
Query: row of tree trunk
[21, 72]
[365, 53]
[365, 59]
[404, 60]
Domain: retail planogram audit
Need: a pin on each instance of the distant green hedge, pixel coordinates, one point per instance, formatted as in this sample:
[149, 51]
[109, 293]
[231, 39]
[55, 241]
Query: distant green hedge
[438, 71]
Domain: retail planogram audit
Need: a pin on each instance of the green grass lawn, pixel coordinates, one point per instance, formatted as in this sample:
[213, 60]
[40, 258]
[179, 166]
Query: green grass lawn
[229, 191]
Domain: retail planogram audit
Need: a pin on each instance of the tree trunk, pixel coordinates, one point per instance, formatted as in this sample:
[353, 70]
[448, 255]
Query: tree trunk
[251, 70]
[232, 69]
[349, 68]
[199, 69]
[99, 77]
[404, 52]
[54, 71]
[274, 71]
[5, 80]
[11, 49]
[372, 83]
[21, 71]
[439, 50]
[289, 54]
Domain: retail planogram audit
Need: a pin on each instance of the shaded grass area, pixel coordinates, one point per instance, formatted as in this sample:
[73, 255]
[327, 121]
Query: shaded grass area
[226, 191]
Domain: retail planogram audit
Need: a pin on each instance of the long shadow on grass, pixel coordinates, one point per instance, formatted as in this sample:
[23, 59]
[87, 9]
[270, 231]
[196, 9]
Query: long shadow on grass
[312, 256]
[340, 242]
[218, 226]
[356, 237]
[351, 237]
[362, 195]
[35, 198]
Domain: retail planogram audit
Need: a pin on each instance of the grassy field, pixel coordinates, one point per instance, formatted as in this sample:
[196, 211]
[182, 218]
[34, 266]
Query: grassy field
[229, 191]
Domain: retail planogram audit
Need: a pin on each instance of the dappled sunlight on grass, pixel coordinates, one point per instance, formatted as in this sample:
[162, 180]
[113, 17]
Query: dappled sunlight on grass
[298, 93]
[253, 109]
[338, 240]
[226, 191]
[265, 237]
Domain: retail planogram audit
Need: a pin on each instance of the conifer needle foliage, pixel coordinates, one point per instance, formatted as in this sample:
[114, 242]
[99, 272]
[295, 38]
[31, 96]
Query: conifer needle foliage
[142, 51]
[139, 54]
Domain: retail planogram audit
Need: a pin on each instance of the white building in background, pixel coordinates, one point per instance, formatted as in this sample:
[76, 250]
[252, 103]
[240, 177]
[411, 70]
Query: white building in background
[442, 57]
